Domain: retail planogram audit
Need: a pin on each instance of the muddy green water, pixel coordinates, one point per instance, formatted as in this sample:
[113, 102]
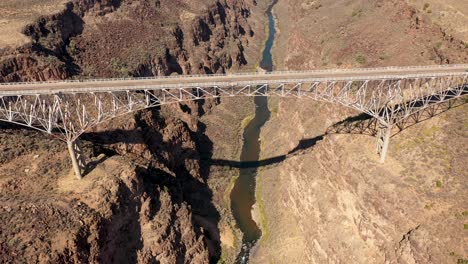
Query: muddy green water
[243, 193]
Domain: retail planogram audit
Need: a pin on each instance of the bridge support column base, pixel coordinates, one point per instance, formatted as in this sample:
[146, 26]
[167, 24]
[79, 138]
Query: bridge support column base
[77, 158]
[383, 141]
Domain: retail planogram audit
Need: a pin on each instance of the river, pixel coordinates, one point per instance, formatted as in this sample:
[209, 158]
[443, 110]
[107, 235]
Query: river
[243, 193]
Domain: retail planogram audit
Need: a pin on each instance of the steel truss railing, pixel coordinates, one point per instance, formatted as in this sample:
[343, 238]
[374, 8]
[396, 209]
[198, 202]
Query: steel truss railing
[68, 114]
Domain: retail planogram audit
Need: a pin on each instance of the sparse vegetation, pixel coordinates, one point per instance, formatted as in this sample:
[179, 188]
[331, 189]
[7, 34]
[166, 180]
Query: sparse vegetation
[383, 57]
[274, 110]
[71, 48]
[89, 71]
[429, 206]
[261, 211]
[51, 60]
[438, 184]
[119, 67]
[247, 121]
[50, 41]
[125, 63]
[361, 59]
[137, 56]
[357, 13]
[426, 8]
[458, 215]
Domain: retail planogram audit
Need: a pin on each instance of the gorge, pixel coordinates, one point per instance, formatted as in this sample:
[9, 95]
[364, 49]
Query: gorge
[184, 183]
[243, 192]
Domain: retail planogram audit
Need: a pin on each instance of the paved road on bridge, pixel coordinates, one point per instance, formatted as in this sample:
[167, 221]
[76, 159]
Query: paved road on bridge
[189, 81]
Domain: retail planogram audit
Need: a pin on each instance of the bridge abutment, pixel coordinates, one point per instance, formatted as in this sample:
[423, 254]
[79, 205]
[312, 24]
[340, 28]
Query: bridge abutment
[77, 158]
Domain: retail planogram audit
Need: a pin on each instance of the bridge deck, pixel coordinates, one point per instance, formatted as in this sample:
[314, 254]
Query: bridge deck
[244, 78]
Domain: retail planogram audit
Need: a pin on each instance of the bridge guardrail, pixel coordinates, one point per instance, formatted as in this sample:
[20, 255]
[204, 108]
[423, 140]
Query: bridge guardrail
[220, 84]
[390, 68]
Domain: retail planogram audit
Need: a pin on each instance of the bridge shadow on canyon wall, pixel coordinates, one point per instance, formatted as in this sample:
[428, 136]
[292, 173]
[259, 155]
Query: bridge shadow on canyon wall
[361, 124]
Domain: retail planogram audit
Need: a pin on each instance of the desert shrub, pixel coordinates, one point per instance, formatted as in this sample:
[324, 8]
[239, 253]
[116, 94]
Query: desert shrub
[119, 67]
[383, 57]
[361, 59]
[71, 48]
[357, 13]
[50, 41]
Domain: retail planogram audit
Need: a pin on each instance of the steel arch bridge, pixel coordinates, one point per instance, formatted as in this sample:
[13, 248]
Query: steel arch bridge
[67, 109]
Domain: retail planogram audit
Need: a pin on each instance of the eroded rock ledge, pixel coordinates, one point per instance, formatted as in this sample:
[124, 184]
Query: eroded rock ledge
[148, 198]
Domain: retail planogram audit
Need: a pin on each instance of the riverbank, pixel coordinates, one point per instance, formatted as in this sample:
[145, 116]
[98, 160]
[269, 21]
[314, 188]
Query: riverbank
[243, 192]
[237, 114]
[258, 209]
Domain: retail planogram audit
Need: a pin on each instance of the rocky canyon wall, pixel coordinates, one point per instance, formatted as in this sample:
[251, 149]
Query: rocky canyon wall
[331, 201]
[149, 196]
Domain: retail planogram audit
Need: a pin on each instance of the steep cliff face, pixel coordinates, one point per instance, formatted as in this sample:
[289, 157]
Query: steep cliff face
[184, 42]
[331, 201]
[25, 67]
[334, 201]
[115, 215]
[149, 198]
[152, 38]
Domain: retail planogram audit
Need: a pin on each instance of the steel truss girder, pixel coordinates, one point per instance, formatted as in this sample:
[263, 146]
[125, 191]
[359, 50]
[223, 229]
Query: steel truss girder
[68, 115]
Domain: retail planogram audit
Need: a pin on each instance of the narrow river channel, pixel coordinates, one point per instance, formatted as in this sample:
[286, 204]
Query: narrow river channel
[243, 193]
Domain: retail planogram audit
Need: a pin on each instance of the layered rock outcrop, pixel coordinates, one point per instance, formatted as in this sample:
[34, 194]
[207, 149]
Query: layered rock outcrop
[152, 38]
[330, 200]
[149, 197]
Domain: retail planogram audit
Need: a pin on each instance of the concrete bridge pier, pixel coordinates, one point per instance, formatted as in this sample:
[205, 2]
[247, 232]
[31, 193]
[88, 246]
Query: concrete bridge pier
[383, 140]
[77, 158]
